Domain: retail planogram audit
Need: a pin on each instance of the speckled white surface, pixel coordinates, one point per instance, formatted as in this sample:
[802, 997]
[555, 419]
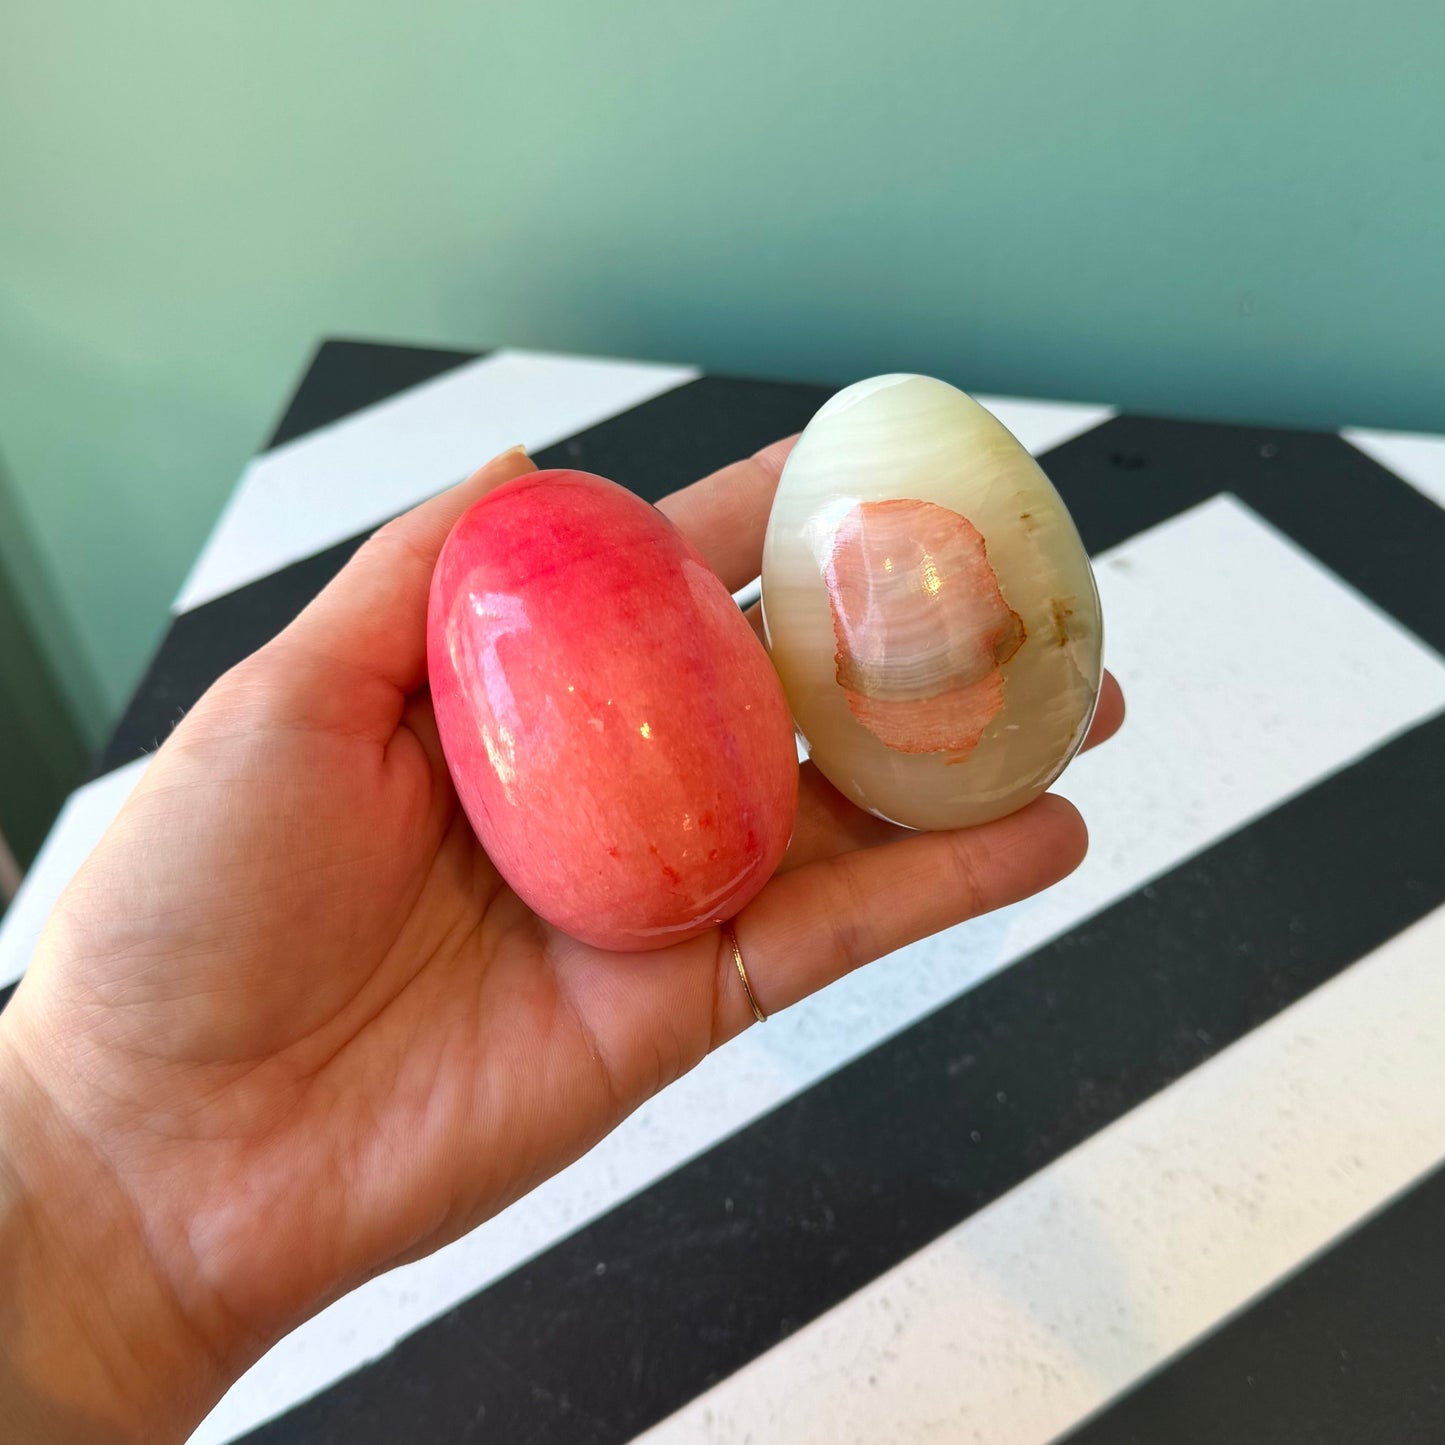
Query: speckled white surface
[1419, 459]
[1223, 726]
[1039, 1309]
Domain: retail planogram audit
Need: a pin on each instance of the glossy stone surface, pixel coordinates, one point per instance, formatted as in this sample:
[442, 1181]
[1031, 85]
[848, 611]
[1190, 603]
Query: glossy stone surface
[616, 734]
[929, 606]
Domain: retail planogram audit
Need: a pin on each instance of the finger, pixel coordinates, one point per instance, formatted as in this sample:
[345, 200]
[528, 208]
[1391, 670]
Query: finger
[371, 618]
[828, 824]
[1108, 715]
[725, 515]
[811, 926]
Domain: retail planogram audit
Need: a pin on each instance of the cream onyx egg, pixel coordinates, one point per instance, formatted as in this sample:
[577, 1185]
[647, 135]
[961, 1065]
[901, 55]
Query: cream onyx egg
[929, 606]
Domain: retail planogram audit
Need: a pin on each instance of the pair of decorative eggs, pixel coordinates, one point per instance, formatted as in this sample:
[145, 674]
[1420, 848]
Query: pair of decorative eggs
[623, 744]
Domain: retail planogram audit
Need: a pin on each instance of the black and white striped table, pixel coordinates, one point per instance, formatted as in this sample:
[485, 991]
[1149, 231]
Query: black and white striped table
[1156, 1157]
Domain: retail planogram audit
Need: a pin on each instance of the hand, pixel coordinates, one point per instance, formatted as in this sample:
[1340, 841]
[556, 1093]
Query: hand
[288, 1027]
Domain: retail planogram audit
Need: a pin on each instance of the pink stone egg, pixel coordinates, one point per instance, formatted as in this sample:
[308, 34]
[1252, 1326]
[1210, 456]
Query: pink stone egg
[615, 731]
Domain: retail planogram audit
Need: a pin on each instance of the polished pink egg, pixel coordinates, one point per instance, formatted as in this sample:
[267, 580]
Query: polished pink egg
[615, 731]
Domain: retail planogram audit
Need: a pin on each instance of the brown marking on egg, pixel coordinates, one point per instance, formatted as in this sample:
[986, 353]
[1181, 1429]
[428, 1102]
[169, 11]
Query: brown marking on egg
[922, 628]
[1062, 609]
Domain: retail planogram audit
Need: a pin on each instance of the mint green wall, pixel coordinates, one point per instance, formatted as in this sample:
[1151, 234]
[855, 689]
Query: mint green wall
[1230, 209]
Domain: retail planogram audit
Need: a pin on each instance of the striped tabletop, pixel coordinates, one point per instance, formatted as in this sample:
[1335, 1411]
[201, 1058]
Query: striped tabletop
[1155, 1157]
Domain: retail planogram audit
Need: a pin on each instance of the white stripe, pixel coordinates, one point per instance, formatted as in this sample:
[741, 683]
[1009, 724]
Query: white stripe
[1418, 458]
[1252, 673]
[330, 484]
[86, 815]
[1037, 1311]
[1040, 425]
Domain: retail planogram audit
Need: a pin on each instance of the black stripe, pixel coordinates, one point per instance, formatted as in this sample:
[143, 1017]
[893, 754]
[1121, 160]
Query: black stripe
[634, 1315]
[345, 376]
[688, 432]
[1375, 531]
[1350, 1350]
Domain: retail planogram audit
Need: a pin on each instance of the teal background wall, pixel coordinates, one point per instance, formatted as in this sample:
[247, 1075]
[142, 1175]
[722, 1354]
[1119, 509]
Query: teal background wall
[1233, 209]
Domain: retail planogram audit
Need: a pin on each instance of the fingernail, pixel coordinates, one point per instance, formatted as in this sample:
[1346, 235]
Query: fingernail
[502, 468]
[516, 451]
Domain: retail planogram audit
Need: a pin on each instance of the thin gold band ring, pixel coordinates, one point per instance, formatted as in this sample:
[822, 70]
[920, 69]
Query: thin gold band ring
[731, 935]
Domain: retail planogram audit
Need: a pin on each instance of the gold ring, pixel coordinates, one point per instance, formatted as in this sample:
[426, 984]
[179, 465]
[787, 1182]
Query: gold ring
[731, 934]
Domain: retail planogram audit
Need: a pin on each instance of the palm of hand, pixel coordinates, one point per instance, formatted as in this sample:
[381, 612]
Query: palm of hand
[378, 1043]
[310, 1029]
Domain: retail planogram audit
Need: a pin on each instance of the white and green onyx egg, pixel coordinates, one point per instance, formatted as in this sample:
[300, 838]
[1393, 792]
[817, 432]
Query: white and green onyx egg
[929, 606]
